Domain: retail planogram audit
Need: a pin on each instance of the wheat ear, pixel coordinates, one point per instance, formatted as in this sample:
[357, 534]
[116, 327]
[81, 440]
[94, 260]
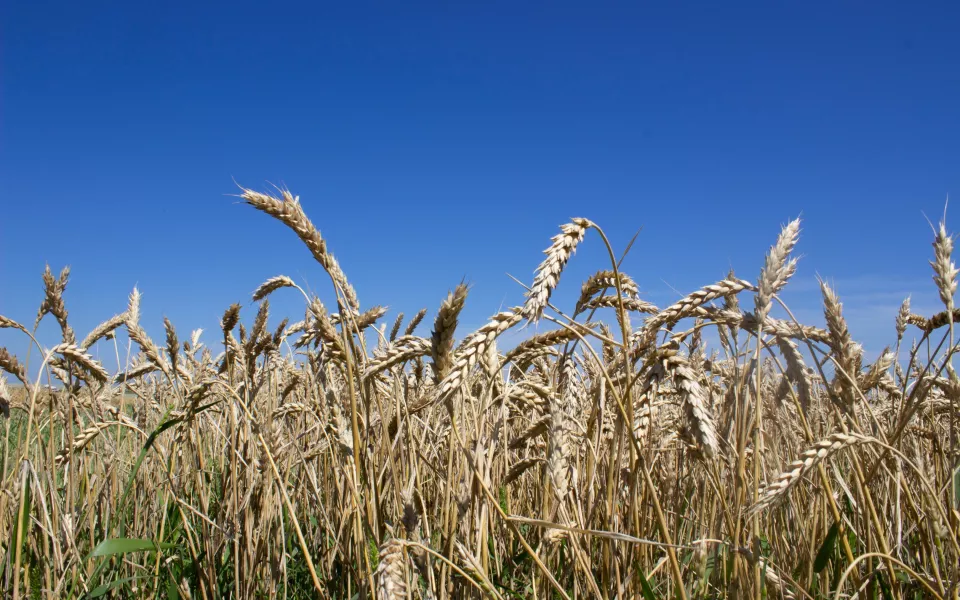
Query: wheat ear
[444, 328]
[779, 488]
[390, 575]
[777, 269]
[289, 212]
[548, 273]
[271, 285]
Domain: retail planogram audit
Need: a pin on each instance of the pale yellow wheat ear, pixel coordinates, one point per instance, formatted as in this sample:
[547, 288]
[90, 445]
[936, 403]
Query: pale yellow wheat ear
[401, 350]
[903, 318]
[103, 329]
[444, 329]
[605, 280]
[944, 270]
[289, 212]
[390, 575]
[415, 321]
[777, 269]
[230, 318]
[846, 352]
[687, 307]
[548, 273]
[271, 285]
[75, 354]
[5, 397]
[700, 421]
[474, 348]
[777, 490]
[395, 330]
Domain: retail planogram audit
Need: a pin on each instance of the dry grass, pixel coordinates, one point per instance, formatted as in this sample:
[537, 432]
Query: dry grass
[330, 458]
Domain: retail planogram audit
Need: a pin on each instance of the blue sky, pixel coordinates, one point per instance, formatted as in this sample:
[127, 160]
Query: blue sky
[434, 142]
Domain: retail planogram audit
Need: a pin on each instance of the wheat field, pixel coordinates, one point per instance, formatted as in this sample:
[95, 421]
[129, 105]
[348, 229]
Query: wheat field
[612, 453]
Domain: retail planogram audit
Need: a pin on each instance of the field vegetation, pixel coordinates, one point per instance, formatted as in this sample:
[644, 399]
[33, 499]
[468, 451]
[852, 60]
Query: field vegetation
[610, 454]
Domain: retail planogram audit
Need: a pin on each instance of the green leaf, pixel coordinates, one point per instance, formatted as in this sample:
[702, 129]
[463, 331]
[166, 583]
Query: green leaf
[884, 588]
[103, 589]
[956, 489]
[826, 548]
[23, 525]
[645, 587]
[127, 545]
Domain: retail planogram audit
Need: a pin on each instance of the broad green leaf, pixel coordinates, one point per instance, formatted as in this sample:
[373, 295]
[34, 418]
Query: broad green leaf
[884, 588]
[956, 489]
[127, 545]
[648, 593]
[826, 548]
[103, 589]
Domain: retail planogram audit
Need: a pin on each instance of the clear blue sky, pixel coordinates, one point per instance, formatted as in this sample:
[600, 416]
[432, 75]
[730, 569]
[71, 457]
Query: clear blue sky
[432, 142]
